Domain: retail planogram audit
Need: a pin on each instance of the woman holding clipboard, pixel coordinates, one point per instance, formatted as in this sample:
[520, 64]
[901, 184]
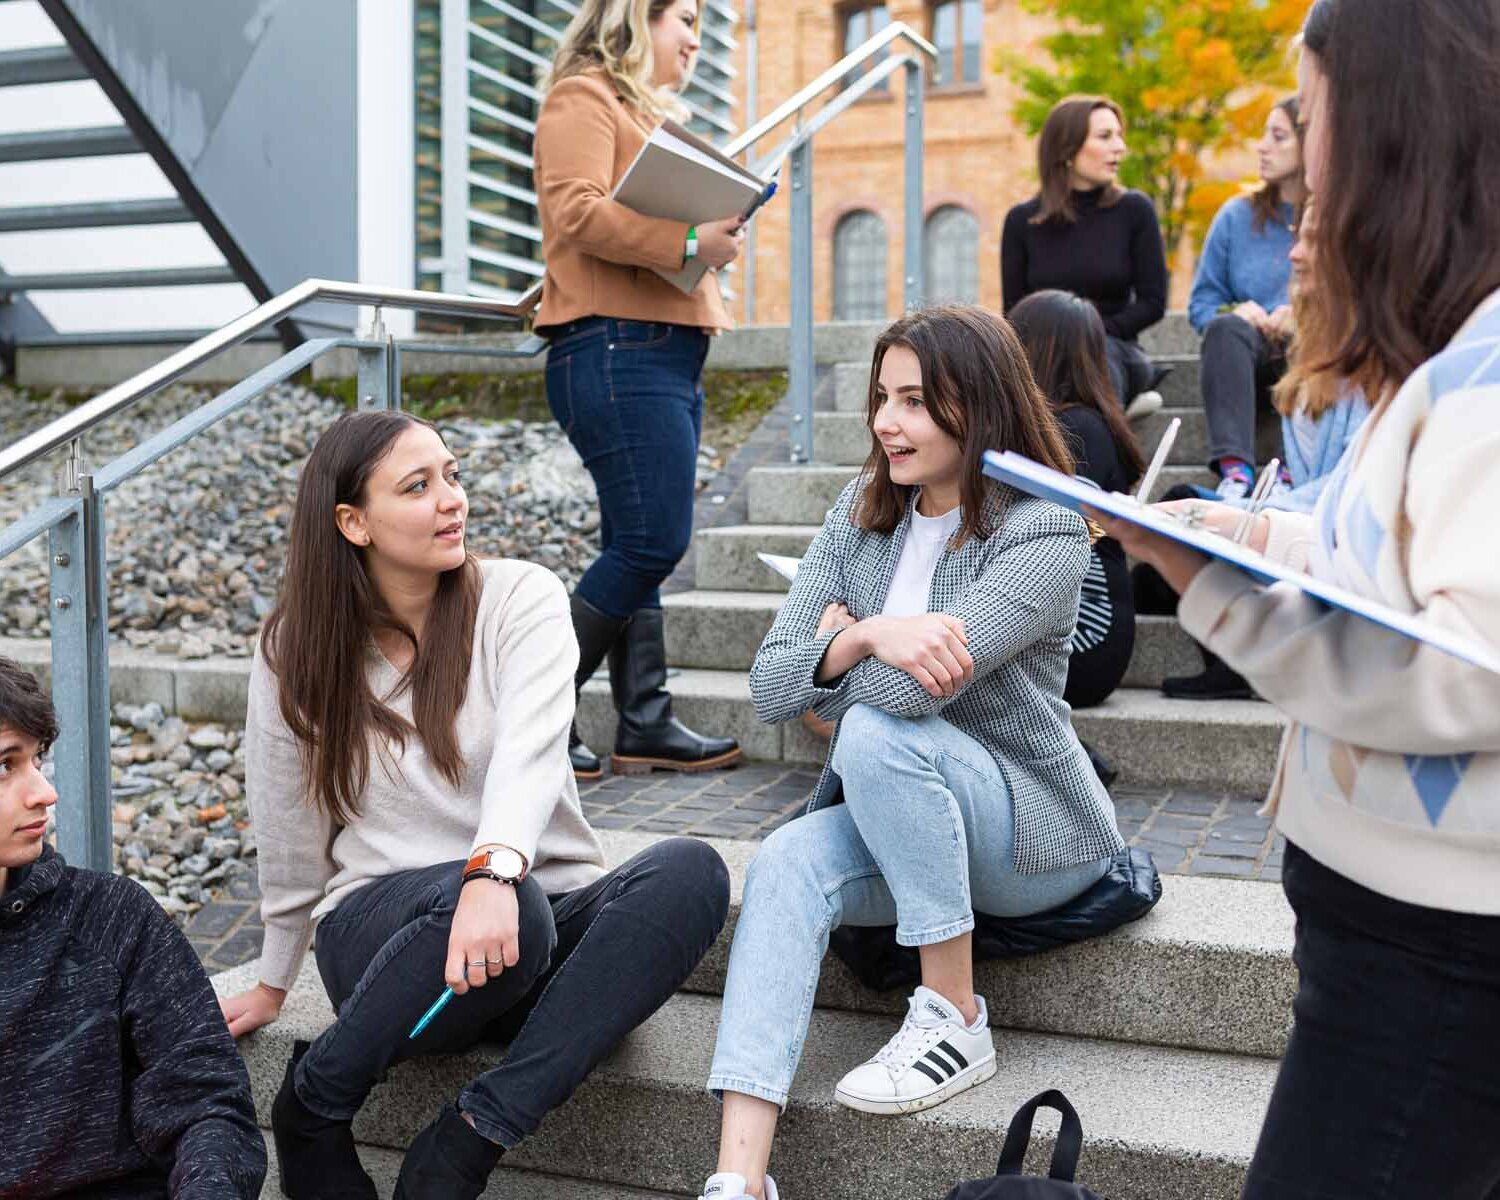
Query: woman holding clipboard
[1390, 770]
[625, 366]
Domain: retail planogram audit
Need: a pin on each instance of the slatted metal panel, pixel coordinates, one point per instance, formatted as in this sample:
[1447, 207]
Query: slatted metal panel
[479, 233]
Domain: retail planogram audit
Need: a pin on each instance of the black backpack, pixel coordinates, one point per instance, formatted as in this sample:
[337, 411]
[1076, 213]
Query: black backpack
[1008, 1182]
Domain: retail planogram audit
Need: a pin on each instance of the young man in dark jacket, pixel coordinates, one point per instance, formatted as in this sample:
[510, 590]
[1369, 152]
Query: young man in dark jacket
[118, 1077]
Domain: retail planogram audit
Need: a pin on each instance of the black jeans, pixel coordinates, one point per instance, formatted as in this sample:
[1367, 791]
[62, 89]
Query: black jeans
[1390, 1088]
[629, 395]
[595, 963]
[1131, 371]
[1240, 367]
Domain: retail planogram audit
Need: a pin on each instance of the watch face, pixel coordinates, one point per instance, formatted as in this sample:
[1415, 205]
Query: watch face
[507, 863]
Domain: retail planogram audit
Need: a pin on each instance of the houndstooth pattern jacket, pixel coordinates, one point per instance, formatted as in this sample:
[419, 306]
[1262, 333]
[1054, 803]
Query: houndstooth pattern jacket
[1017, 594]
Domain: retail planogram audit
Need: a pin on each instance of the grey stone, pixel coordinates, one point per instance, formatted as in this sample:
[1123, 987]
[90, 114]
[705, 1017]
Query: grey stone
[207, 738]
[196, 864]
[220, 848]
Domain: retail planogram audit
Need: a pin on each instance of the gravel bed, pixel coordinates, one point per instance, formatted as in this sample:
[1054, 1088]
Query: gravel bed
[195, 544]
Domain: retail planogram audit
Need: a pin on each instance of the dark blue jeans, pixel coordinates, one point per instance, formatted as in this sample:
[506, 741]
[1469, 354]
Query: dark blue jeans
[629, 395]
[595, 963]
[1390, 1088]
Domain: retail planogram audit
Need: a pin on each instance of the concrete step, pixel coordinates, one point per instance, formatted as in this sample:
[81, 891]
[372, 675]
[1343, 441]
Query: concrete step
[1209, 968]
[802, 495]
[507, 1183]
[722, 630]
[726, 555]
[1163, 1124]
[1220, 746]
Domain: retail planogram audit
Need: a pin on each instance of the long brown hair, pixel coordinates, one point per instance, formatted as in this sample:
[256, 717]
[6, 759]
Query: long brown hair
[1063, 135]
[1266, 199]
[1063, 336]
[1408, 238]
[318, 637]
[1308, 385]
[978, 388]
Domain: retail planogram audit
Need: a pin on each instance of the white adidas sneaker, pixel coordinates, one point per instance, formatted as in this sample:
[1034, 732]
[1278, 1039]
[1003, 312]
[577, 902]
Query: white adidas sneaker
[932, 1058]
[728, 1186]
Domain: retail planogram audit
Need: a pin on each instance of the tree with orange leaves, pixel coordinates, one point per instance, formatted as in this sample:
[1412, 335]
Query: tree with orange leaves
[1193, 76]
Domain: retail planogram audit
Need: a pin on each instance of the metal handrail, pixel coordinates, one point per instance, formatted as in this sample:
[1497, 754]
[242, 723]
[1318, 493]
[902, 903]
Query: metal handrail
[86, 416]
[799, 100]
[835, 108]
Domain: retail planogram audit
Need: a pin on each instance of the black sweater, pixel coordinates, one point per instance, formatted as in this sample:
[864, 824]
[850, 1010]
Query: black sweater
[118, 1077]
[1098, 458]
[1111, 256]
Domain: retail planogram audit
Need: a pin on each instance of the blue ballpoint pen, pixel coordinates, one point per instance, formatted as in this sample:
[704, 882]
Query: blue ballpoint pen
[437, 1007]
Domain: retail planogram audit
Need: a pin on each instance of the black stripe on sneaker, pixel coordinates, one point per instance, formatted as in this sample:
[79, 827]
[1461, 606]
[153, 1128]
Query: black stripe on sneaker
[941, 1063]
[930, 1073]
[947, 1048]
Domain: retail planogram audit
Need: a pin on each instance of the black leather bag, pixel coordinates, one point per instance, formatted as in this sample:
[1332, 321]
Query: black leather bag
[1008, 1182]
[1128, 890]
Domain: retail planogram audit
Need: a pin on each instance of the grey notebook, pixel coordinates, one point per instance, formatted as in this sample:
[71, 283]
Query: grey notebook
[680, 177]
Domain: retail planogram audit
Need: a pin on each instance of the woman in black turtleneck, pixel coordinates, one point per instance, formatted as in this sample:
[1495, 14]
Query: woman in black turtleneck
[1085, 234]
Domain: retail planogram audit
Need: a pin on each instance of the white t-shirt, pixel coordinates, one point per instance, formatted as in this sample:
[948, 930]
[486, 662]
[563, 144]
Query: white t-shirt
[925, 540]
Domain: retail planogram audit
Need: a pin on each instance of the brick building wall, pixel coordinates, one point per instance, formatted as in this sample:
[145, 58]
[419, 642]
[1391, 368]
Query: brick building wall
[976, 156]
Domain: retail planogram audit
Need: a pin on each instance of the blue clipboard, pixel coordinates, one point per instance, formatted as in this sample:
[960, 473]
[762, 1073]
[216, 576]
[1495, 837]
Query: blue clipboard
[1029, 476]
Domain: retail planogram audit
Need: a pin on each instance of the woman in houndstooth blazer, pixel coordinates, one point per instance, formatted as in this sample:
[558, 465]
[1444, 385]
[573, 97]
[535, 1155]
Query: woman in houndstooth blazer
[930, 618]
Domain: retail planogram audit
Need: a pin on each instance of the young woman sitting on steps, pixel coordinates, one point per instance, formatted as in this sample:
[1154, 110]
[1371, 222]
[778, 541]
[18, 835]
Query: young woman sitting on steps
[408, 776]
[931, 619]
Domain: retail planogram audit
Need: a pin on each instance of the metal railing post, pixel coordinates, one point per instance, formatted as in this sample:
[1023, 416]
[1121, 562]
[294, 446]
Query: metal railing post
[373, 370]
[454, 143]
[801, 368]
[914, 282]
[80, 683]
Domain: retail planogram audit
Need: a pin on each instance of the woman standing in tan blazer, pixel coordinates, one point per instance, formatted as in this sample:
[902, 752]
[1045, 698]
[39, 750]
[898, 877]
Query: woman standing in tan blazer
[625, 366]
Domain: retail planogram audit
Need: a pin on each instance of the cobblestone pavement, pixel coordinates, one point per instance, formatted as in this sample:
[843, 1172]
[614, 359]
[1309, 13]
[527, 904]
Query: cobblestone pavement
[1187, 832]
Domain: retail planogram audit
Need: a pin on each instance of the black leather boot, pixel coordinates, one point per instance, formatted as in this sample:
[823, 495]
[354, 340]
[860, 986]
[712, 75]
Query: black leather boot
[1217, 681]
[648, 735]
[314, 1155]
[1101, 764]
[596, 633]
[447, 1161]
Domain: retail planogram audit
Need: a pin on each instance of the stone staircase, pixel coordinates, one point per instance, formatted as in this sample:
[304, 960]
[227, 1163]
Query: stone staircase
[1164, 1034]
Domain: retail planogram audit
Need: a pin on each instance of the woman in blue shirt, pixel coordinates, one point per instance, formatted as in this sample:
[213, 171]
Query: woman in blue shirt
[1239, 301]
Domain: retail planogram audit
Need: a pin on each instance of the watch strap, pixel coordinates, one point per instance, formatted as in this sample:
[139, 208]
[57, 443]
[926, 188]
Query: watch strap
[478, 867]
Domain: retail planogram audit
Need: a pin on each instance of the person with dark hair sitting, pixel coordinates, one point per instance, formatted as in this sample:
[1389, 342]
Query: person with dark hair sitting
[118, 1077]
[1064, 339]
[1084, 233]
[1239, 301]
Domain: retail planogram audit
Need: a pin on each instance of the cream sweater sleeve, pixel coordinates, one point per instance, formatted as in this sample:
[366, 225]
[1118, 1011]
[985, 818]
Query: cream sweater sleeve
[1355, 680]
[535, 656]
[293, 836]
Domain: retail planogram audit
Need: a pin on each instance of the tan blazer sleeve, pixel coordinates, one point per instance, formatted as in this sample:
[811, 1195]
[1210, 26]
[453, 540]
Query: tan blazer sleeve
[575, 164]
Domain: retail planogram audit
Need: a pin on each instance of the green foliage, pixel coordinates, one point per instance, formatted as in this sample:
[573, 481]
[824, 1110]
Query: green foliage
[734, 401]
[1193, 77]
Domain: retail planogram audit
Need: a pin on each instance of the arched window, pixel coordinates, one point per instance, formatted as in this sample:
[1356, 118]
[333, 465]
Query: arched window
[859, 268]
[950, 254]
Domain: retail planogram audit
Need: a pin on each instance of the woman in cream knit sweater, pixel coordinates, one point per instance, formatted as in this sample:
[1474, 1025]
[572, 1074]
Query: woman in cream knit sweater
[407, 770]
[1388, 785]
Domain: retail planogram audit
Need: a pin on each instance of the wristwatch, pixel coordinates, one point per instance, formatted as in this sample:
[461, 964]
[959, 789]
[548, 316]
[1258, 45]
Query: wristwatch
[501, 863]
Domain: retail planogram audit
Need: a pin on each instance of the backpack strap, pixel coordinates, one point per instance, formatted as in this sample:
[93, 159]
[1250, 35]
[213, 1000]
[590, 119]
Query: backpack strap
[1018, 1137]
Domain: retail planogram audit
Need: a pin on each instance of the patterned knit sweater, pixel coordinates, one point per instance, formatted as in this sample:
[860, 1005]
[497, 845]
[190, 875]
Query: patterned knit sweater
[1390, 769]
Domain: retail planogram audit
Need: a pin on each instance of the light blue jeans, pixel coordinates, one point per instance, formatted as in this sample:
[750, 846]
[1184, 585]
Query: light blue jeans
[925, 836]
